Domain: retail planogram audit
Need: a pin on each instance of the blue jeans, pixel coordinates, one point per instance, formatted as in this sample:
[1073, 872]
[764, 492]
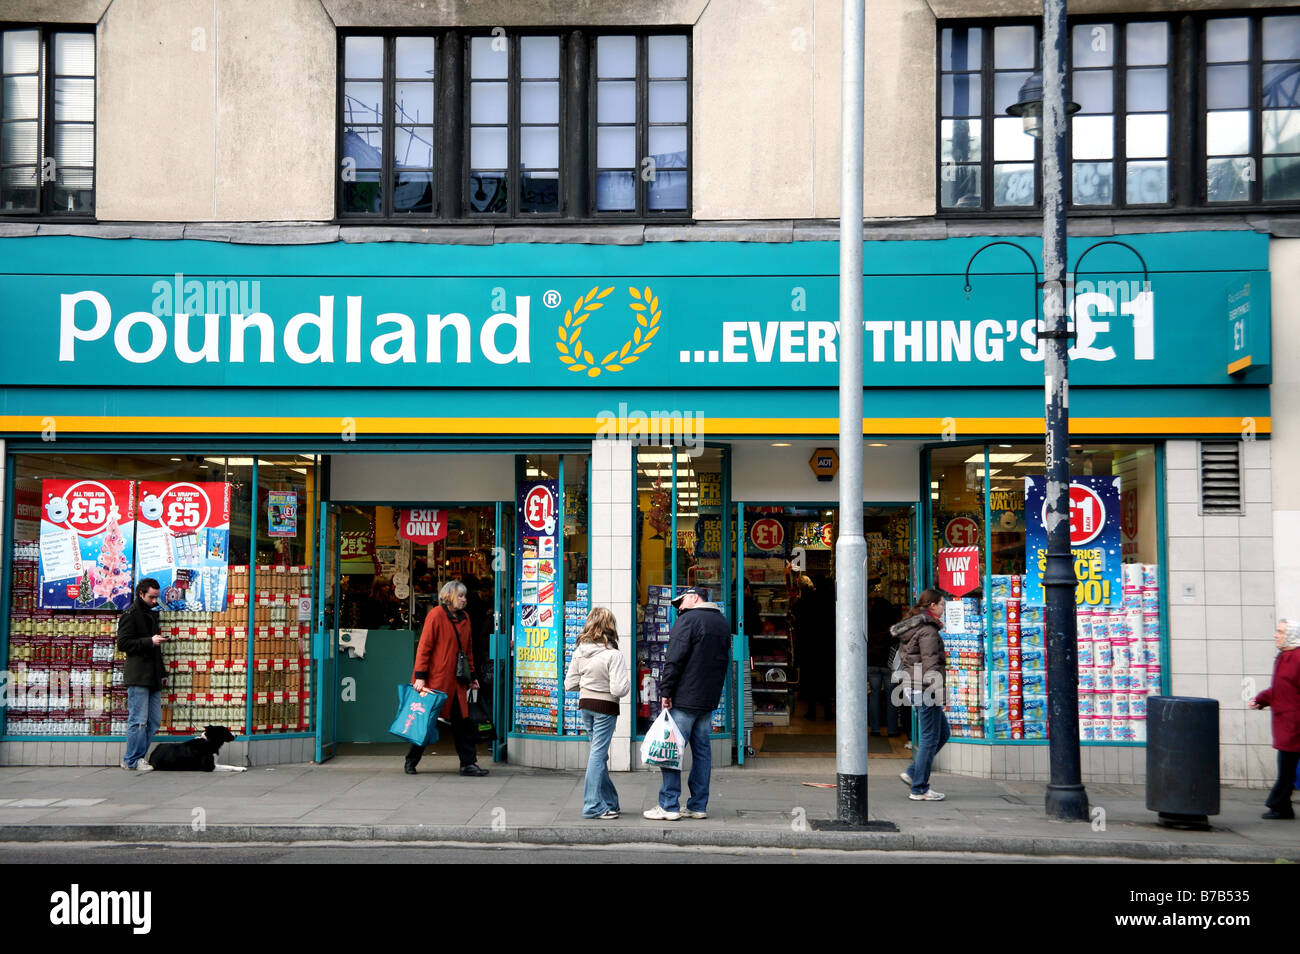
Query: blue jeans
[879, 701]
[598, 794]
[934, 735]
[144, 715]
[695, 725]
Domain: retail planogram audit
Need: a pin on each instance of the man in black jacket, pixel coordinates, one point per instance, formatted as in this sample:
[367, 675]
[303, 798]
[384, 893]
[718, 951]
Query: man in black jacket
[695, 668]
[139, 635]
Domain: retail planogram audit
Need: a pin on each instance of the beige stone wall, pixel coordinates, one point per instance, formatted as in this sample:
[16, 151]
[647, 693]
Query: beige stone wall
[155, 114]
[215, 112]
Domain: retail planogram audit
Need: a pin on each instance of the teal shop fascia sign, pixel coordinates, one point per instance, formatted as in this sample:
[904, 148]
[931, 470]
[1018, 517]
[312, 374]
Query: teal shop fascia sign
[194, 314]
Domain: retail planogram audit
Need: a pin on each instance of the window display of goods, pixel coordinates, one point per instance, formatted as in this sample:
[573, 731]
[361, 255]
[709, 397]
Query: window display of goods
[1120, 660]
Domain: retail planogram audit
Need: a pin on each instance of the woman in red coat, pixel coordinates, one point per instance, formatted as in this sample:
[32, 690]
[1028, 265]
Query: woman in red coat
[448, 631]
[1283, 697]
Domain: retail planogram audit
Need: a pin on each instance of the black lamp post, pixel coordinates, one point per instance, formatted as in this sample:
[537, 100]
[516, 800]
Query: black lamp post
[1043, 107]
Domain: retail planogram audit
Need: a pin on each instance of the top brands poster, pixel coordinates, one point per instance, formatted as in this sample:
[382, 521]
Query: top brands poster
[539, 608]
[183, 542]
[1094, 539]
[87, 544]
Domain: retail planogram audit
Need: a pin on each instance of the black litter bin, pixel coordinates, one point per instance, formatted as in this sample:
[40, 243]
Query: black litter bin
[1183, 760]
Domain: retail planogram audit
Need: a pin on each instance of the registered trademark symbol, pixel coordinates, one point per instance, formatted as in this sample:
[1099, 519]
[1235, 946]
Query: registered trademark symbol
[552, 299]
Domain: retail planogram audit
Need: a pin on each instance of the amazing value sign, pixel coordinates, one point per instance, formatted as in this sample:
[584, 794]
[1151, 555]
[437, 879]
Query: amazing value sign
[86, 544]
[183, 542]
[1095, 529]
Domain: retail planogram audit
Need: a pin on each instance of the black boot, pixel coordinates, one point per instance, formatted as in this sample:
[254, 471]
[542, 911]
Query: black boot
[413, 759]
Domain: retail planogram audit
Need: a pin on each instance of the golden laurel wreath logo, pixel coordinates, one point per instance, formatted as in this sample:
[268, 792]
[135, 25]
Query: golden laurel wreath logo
[570, 344]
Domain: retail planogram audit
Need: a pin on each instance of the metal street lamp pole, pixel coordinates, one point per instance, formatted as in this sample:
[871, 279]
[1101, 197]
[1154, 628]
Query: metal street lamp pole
[851, 547]
[1066, 798]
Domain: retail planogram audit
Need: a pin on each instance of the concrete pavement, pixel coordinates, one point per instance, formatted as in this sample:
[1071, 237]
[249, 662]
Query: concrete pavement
[763, 804]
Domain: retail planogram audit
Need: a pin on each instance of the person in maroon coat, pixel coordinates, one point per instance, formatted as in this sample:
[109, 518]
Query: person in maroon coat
[1283, 697]
[447, 632]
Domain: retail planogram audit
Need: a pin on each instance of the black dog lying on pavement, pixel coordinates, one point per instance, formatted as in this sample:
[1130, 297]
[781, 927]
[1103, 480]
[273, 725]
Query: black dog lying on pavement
[196, 755]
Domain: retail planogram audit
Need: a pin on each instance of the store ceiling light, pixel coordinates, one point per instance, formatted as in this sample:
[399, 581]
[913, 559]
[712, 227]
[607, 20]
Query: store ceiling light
[175, 458]
[996, 458]
[782, 444]
[877, 445]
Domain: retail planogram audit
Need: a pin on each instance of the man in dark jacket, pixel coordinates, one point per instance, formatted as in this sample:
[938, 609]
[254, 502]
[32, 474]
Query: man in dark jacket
[695, 669]
[139, 636]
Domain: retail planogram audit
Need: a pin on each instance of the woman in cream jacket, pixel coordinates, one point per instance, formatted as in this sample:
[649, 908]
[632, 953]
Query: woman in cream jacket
[598, 672]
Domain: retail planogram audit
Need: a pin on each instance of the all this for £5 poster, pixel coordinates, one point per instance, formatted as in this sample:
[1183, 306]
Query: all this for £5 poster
[86, 544]
[537, 619]
[183, 542]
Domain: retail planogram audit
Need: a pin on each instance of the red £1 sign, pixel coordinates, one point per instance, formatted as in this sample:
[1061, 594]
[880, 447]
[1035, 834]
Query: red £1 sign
[767, 534]
[539, 510]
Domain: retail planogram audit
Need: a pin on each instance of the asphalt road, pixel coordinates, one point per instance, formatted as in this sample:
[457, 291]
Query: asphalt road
[384, 853]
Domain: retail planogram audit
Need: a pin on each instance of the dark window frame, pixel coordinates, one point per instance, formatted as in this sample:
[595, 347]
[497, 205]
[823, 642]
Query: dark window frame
[577, 123]
[45, 210]
[642, 210]
[514, 128]
[1255, 105]
[1187, 112]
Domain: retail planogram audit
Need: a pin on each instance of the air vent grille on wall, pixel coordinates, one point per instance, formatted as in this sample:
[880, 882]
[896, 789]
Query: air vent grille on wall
[1221, 478]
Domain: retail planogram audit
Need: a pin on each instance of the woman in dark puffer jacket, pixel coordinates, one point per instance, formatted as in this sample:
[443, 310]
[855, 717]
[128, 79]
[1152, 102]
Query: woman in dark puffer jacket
[924, 659]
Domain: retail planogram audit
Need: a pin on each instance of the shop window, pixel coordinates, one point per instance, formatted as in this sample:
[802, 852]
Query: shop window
[656, 506]
[108, 522]
[47, 121]
[1114, 543]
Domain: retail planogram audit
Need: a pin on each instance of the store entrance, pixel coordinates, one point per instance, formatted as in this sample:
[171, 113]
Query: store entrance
[391, 563]
[789, 624]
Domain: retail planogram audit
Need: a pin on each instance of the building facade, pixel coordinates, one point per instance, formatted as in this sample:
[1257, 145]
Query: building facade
[307, 303]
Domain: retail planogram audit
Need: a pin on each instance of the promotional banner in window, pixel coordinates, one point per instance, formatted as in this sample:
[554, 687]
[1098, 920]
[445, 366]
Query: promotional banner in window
[183, 542]
[537, 622]
[1094, 539]
[87, 544]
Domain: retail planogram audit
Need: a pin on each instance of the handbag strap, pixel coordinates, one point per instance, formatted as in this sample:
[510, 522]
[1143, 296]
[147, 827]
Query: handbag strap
[451, 619]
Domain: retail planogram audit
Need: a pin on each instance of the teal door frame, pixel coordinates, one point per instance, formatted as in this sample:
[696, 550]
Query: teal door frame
[502, 619]
[327, 634]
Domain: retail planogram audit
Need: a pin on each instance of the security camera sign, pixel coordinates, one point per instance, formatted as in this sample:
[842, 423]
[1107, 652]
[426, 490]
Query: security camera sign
[86, 543]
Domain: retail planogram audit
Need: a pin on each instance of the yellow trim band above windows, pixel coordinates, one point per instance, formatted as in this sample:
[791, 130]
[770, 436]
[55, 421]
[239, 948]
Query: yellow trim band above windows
[948, 428]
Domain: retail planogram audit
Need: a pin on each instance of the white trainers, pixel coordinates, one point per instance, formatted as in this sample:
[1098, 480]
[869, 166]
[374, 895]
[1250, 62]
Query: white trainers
[690, 814]
[659, 814]
[905, 777]
[930, 796]
[143, 766]
[123, 764]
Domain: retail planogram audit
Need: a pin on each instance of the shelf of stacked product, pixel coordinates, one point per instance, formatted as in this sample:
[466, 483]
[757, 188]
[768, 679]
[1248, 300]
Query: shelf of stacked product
[207, 662]
[1120, 662]
[964, 675]
[774, 678]
[64, 668]
[1018, 663]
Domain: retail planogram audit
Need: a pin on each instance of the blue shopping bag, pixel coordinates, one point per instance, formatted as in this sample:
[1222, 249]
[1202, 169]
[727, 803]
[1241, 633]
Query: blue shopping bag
[417, 715]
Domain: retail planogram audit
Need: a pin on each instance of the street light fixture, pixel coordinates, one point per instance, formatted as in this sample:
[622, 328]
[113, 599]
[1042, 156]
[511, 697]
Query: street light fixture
[1029, 105]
